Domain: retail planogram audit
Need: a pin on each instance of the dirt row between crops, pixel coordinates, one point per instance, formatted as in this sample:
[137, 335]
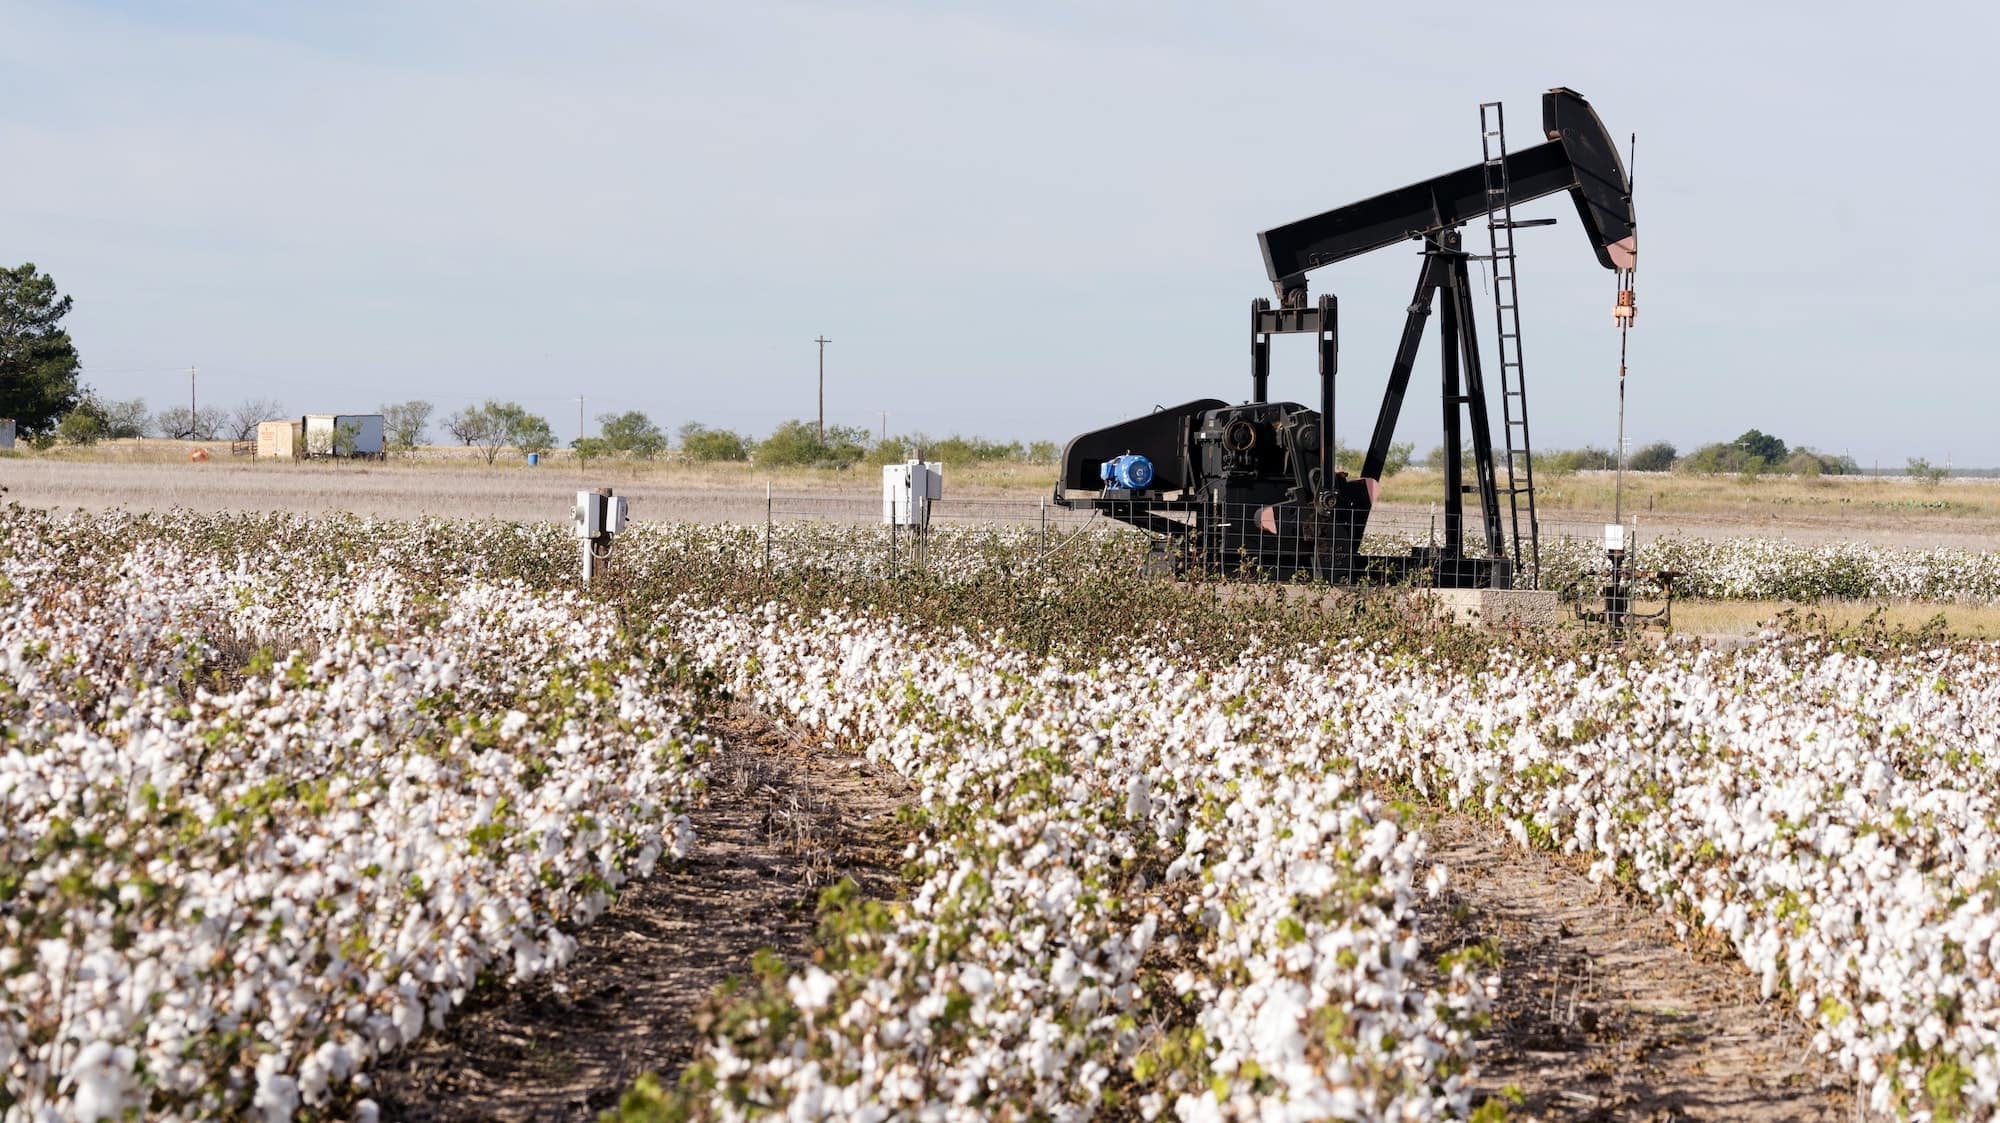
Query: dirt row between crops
[1601, 1013]
[779, 823]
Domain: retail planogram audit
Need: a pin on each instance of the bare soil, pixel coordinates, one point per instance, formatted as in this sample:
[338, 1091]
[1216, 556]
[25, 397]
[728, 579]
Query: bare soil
[1603, 1013]
[778, 824]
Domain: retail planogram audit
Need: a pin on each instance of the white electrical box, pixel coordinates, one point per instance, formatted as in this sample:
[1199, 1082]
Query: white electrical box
[598, 515]
[1614, 538]
[907, 492]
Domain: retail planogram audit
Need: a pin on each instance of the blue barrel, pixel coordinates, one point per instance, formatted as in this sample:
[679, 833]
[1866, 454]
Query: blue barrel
[534, 458]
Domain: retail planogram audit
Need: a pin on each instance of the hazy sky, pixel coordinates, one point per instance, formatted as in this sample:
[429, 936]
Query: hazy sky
[1018, 220]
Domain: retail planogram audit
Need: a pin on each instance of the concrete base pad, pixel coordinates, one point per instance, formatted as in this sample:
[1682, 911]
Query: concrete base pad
[1499, 609]
[1496, 608]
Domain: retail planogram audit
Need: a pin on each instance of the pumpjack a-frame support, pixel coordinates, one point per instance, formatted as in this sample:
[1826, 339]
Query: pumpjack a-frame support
[1444, 273]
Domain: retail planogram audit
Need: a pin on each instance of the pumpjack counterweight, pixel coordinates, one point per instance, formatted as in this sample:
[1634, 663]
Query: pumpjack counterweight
[1252, 490]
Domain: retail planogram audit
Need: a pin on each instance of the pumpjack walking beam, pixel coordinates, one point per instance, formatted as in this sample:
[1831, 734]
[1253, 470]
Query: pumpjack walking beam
[1580, 157]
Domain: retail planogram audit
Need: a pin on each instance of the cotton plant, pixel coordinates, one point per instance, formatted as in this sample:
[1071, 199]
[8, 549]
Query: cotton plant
[275, 793]
[228, 891]
[1830, 814]
[1078, 821]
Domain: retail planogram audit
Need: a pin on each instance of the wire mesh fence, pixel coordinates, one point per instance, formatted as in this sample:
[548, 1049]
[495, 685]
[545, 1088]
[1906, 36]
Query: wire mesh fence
[1269, 541]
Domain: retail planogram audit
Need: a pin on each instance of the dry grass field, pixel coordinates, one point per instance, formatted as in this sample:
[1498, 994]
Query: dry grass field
[157, 475]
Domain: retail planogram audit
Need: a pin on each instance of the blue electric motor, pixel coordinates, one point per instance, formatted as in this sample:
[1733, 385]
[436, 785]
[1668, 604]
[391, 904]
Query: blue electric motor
[1131, 472]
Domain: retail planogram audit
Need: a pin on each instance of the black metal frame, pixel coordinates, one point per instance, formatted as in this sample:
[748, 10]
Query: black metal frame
[1312, 519]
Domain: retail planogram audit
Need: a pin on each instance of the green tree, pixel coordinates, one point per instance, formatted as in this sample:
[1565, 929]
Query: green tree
[1397, 459]
[796, 444]
[494, 425]
[38, 362]
[127, 418]
[632, 432]
[958, 451]
[1655, 457]
[1924, 472]
[83, 425]
[406, 425]
[891, 450]
[526, 431]
[1564, 461]
[1762, 445]
[702, 444]
[346, 434]
[468, 426]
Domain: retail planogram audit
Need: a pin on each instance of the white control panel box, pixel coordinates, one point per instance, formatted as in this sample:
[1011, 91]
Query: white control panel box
[907, 492]
[1614, 538]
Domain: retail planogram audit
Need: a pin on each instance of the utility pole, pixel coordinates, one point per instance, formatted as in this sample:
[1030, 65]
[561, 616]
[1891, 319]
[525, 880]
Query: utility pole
[579, 442]
[885, 427]
[822, 341]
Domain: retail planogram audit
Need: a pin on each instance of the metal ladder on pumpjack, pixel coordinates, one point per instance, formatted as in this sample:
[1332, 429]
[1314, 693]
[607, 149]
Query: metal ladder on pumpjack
[1507, 318]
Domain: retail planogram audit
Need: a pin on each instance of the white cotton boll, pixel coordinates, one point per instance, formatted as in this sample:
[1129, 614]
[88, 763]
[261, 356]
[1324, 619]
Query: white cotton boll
[312, 1080]
[102, 1077]
[366, 1111]
[1204, 1108]
[1138, 797]
[1435, 881]
[1310, 878]
[811, 992]
[1065, 972]
[1276, 1030]
[277, 1097]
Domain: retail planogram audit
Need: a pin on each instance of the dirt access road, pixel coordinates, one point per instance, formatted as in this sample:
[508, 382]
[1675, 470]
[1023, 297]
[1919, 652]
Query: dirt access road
[462, 490]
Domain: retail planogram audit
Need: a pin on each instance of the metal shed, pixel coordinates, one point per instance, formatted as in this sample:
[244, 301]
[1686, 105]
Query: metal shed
[280, 440]
[322, 432]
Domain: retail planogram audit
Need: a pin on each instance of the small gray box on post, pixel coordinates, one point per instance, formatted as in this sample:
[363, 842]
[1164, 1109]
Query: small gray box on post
[908, 489]
[598, 517]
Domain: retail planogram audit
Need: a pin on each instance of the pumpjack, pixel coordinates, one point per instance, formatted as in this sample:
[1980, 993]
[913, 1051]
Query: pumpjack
[1252, 489]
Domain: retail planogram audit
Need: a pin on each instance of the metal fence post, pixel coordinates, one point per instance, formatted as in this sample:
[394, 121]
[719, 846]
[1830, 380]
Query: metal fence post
[767, 526]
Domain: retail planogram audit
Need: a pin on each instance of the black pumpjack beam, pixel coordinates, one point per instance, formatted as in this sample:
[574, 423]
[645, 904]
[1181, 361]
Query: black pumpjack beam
[1580, 158]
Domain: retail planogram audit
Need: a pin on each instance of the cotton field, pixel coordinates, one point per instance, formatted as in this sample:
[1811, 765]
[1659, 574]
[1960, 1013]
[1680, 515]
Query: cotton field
[226, 894]
[276, 796]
